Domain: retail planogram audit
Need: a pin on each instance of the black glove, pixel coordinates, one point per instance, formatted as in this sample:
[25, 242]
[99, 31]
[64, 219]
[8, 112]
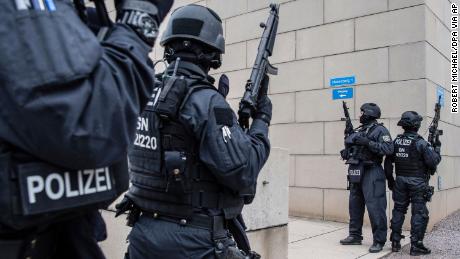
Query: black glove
[437, 149]
[144, 16]
[344, 154]
[223, 85]
[437, 146]
[264, 104]
[362, 141]
[391, 183]
[125, 205]
[163, 7]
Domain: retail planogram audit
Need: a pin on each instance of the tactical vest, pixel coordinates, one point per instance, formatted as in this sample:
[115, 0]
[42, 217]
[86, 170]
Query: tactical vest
[360, 153]
[166, 174]
[408, 160]
[34, 193]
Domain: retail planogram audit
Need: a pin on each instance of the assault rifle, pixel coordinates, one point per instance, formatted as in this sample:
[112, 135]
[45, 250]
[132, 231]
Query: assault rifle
[102, 15]
[433, 137]
[261, 67]
[348, 130]
[347, 119]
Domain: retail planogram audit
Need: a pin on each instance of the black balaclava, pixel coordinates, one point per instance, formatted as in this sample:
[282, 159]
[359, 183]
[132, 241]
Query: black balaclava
[366, 119]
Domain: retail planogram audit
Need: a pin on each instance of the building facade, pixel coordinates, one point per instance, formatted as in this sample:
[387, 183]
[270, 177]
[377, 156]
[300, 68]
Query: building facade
[395, 53]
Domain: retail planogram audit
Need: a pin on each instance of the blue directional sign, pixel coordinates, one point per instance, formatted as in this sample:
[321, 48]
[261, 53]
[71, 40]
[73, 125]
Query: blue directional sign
[342, 93]
[440, 93]
[341, 81]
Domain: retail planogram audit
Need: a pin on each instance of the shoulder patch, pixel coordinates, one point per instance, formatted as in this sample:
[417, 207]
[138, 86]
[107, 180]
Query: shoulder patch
[224, 116]
[386, 138]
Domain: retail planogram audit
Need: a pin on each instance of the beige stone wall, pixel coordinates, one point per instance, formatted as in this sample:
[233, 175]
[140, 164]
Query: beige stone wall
[397, 49]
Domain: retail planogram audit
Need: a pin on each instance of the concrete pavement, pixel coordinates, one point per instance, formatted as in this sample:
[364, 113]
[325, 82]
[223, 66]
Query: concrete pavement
[443, 241]
[320, 239]
[308, 238]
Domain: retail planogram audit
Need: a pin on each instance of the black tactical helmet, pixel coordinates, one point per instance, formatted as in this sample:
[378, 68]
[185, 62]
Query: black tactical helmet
[410, 119]
[371, 110]
[195, 22]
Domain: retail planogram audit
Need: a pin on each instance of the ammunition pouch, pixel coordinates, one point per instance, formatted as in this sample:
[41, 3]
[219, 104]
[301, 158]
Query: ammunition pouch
[356, 154]
[355, 172]
[171, 97]
[428, 193]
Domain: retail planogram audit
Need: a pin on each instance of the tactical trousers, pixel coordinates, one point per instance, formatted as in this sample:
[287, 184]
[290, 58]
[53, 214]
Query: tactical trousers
[154, 238]
[409, 190]
[369, 193]
[71, 239]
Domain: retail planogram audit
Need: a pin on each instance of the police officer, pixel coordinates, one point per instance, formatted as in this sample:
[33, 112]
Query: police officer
[414, 159]
[192, 166]
[364, 151]
[68, 106]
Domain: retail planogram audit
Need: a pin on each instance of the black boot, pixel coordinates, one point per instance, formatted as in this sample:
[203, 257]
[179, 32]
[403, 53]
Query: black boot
[376, 247]
[417, 248]
[395, 246]
[350, 240]
[396, 241]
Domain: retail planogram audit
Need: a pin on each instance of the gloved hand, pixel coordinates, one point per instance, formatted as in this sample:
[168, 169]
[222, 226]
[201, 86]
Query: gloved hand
[391, 184]
[144, 16]
[344, 154]
[437, 149]
[224, 86]
[125, 205]
[362, 141]
[437, 146]
[264, 104]
[163, 7]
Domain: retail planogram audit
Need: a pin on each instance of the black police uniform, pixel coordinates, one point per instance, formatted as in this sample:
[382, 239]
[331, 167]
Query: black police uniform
[370, 192]
[68, 107]
[413, 158]
[195, 175]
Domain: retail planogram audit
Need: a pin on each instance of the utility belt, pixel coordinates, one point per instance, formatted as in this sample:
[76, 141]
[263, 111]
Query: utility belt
[411, 174]
[216, 224]
[219, 227]
[366, 159]
[36, 193]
